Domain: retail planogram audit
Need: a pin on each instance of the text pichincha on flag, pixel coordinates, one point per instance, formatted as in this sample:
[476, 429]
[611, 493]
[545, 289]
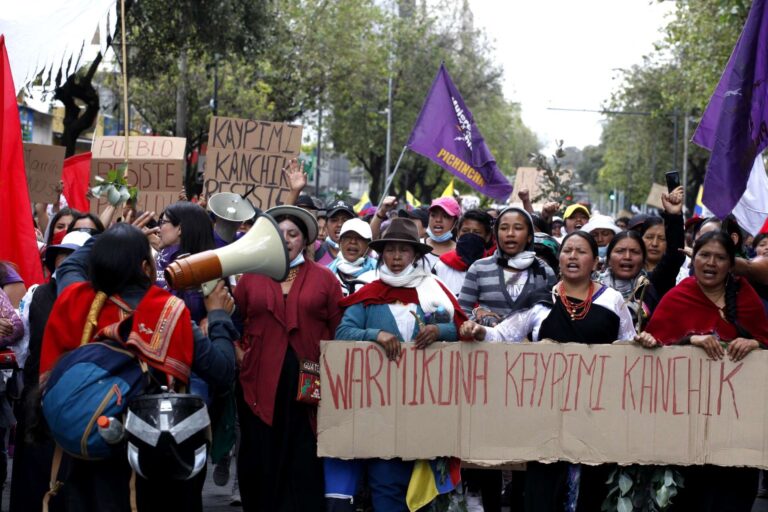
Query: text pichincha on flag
[461, 166]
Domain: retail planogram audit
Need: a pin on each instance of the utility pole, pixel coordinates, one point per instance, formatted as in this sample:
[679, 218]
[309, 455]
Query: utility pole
[319, 144]
[215, 99]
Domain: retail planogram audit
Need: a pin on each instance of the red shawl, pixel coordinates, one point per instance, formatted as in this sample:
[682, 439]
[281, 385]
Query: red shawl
[378, 292]
[161, 328]
[453, 260]
[685, 310]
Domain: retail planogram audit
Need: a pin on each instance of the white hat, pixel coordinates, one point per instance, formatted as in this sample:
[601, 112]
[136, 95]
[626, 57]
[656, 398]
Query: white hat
[357, 226]
[600, 222]
[76, 238]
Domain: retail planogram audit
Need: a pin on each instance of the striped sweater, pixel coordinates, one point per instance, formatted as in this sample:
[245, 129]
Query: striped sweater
[484, 286]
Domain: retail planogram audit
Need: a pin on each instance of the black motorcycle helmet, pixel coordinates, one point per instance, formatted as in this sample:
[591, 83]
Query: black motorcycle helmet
[168, 435]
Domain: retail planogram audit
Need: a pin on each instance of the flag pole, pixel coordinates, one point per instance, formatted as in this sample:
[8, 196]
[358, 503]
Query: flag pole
[392, 176]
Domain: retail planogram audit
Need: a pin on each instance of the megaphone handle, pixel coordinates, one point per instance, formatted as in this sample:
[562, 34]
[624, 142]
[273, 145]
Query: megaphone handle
[207, 288]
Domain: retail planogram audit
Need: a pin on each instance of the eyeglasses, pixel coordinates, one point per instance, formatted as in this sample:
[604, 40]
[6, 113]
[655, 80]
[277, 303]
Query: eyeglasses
[162, 221]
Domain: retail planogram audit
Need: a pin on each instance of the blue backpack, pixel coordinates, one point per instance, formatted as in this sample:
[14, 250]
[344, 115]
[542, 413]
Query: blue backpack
[95, 379]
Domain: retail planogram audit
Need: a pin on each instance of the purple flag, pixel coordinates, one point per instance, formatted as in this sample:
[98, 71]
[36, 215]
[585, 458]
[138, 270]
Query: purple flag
[733, 126]
[446, 133]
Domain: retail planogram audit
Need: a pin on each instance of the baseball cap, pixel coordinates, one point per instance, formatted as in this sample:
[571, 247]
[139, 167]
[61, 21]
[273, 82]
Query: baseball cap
[358, 226]
[71, 242]
[448, 204]
[574, 208]
[339, 206]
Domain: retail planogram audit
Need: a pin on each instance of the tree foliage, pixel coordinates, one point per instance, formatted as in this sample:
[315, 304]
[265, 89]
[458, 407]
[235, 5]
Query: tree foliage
[672, 83]
[292, 59]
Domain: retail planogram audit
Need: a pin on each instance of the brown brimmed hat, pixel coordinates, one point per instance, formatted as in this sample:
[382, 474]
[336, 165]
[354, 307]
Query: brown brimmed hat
[403, 231]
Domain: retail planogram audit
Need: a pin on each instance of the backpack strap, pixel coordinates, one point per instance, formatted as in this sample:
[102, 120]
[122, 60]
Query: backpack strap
[55, 484]
[132, 491]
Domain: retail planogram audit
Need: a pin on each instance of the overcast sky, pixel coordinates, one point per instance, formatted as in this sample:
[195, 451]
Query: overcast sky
[564, 53]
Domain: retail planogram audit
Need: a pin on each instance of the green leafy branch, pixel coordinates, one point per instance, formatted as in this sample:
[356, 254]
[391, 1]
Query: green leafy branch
[642, 489]
[114, 188]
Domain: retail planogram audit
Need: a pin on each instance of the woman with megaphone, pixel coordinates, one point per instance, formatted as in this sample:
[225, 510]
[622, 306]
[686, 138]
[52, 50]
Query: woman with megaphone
[284, 322]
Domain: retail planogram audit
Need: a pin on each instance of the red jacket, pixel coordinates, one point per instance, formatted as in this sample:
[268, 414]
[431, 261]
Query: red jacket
[309, 314]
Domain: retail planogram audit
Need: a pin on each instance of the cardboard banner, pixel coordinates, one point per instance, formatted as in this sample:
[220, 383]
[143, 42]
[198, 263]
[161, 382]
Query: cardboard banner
[43, 164]
[500, 403]
[243, 153]
[156, 166]
[654, 196]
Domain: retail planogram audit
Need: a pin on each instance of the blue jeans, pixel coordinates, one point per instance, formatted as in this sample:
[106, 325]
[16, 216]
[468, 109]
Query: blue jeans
[388, 480]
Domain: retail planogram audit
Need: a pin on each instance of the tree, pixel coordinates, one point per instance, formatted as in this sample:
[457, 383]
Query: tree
[169, 42]
[557, 182]
[592, 161]
[303, 61]
[675, 81]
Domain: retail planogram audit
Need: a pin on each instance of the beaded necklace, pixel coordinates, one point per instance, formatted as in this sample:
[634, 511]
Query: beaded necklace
[292, 274]
[577, 311]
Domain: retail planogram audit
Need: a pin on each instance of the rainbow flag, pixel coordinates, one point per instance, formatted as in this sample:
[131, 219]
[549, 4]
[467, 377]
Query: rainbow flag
[431, 478]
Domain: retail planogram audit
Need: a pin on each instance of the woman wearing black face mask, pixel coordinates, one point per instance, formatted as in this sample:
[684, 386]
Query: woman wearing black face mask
[473, 238]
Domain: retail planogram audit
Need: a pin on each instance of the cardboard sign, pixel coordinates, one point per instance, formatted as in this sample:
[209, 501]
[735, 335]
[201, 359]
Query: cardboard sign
[654, 196]
[43, 164]
[499, 403]
[155, 165]
[243, 153]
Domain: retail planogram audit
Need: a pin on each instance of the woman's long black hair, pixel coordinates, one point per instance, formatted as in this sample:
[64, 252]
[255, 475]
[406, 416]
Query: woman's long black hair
[76, 216]
[61, 213]
[117, 260]
[196, 227]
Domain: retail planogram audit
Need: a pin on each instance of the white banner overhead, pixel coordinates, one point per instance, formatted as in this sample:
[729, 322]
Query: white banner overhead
[49, 35]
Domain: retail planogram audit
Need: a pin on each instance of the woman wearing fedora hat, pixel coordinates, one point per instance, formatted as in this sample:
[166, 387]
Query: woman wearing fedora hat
[407, 303]
[278, 468]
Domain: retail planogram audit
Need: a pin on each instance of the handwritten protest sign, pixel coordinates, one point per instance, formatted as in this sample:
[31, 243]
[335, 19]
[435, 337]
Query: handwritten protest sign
[43, 164]
[243, 153]
[499, 403]
[155, 166]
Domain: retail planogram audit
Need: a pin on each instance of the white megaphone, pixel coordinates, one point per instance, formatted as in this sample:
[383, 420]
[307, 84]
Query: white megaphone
[261, 251]
[231, 210]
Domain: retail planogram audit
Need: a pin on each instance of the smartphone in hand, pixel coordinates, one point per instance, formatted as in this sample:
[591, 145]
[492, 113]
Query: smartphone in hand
[673, 180]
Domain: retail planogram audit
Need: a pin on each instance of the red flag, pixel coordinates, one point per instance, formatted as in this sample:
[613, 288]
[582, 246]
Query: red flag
[18, 243]
[76, 176]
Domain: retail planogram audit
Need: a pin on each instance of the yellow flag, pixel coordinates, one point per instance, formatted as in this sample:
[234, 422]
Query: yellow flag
[411, 200]
[448, 192]
[364, 202]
